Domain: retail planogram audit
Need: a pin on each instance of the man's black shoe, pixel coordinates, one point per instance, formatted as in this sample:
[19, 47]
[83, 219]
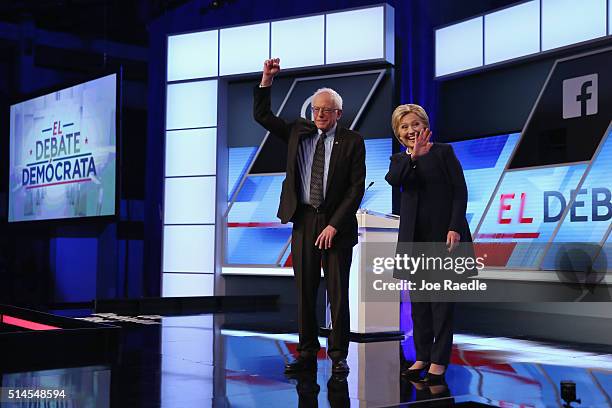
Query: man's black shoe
[301, 364]
[340, 366]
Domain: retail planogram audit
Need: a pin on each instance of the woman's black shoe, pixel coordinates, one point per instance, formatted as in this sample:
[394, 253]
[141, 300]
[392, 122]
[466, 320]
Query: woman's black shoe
[434, 379]
[415, 374]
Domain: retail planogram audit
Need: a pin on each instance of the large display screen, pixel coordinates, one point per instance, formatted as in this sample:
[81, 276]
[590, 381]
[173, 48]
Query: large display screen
[63, 151]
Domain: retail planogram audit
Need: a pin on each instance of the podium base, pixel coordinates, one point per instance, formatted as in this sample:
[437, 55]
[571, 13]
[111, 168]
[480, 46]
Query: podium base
[368, 337]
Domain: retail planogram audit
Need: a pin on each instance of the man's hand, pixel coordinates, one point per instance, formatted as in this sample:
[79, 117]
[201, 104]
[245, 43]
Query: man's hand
[452, 240]
[421, 144]
[271, 67]
[324, 240]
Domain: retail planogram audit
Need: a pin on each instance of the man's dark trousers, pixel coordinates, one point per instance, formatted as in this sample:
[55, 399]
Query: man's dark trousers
[307, 260]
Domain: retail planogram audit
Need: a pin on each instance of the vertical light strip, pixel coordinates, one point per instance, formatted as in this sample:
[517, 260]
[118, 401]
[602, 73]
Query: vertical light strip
[190, 185]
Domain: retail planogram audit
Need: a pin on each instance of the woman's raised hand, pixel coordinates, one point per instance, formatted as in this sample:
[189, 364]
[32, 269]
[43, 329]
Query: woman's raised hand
[421, 144]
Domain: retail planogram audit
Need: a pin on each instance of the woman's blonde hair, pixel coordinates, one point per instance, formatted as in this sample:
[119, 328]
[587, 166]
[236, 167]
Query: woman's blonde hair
[402, 111]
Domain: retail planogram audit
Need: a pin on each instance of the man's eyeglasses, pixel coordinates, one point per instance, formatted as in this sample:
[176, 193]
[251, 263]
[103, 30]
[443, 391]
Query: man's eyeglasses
[316, 109]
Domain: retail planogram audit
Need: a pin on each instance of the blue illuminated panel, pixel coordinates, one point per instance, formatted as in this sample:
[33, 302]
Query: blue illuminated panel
[378, 197]
[355, 35]
[566, 22]
[255, 235]
[591, 213]
[257, 200]
[459, 47]
[187, 248]
[194, 55]
[239, 160]
[190, 200]
[512, 32]
[521, 213]
[191, 152]
[289, 37]
[483, 161]
[529, 206]
[587, 221]
[256, 245]
[243, 49]
[191, 105]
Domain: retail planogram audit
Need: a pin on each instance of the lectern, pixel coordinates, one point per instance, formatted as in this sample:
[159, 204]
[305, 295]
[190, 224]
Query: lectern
[371, 320]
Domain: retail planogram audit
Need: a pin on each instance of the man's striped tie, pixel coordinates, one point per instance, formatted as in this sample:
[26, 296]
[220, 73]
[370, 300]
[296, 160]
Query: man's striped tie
[316, 174]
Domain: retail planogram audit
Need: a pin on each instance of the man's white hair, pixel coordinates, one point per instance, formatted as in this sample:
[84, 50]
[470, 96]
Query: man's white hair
[335, 96]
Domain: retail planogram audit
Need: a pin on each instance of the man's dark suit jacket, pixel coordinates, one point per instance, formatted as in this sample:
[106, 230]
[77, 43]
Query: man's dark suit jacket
[346, 173]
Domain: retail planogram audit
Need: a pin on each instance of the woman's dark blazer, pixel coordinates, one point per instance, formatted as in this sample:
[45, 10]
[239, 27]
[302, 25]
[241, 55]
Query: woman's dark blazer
[433, 190]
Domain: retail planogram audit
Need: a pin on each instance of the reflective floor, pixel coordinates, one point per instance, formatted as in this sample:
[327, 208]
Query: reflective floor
[216, 360]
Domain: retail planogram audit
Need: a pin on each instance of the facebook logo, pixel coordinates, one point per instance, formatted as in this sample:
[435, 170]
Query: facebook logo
[580, 96]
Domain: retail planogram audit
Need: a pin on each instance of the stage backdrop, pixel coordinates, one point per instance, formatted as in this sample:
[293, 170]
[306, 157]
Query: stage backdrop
[527, 217]
[63, 152]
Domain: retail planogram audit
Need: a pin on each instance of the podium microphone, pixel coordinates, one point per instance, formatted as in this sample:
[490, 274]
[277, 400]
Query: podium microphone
[363, 201]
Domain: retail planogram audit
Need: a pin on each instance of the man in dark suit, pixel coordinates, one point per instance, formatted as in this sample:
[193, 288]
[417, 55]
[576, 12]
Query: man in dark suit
[321, 192]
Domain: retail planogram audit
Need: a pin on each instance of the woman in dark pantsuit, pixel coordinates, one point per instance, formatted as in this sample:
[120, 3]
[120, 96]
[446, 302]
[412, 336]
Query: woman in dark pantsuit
[433, 205]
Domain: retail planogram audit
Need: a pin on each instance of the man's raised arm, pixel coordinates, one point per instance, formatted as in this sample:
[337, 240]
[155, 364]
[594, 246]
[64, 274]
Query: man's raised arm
[261, 106]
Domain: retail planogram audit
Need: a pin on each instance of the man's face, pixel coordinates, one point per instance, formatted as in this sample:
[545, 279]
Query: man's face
[324, 111]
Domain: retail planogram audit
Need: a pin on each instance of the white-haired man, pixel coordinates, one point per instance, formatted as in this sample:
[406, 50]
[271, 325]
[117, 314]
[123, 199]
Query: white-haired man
[322, 190]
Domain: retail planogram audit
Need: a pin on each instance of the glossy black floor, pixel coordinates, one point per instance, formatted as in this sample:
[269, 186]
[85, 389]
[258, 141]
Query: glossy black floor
[237, 359]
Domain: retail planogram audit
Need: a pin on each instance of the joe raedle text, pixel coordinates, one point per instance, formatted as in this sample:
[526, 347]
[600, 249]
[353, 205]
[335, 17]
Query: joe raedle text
[425, 286]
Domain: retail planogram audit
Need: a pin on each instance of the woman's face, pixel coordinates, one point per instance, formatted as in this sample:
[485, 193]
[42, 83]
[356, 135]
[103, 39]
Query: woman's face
[409, 127]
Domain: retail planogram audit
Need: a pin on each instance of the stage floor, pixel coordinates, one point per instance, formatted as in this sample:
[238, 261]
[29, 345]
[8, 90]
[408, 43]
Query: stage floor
[221, 360]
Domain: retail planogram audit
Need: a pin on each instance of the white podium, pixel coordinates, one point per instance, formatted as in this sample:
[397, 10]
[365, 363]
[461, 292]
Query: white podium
[371, 320]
